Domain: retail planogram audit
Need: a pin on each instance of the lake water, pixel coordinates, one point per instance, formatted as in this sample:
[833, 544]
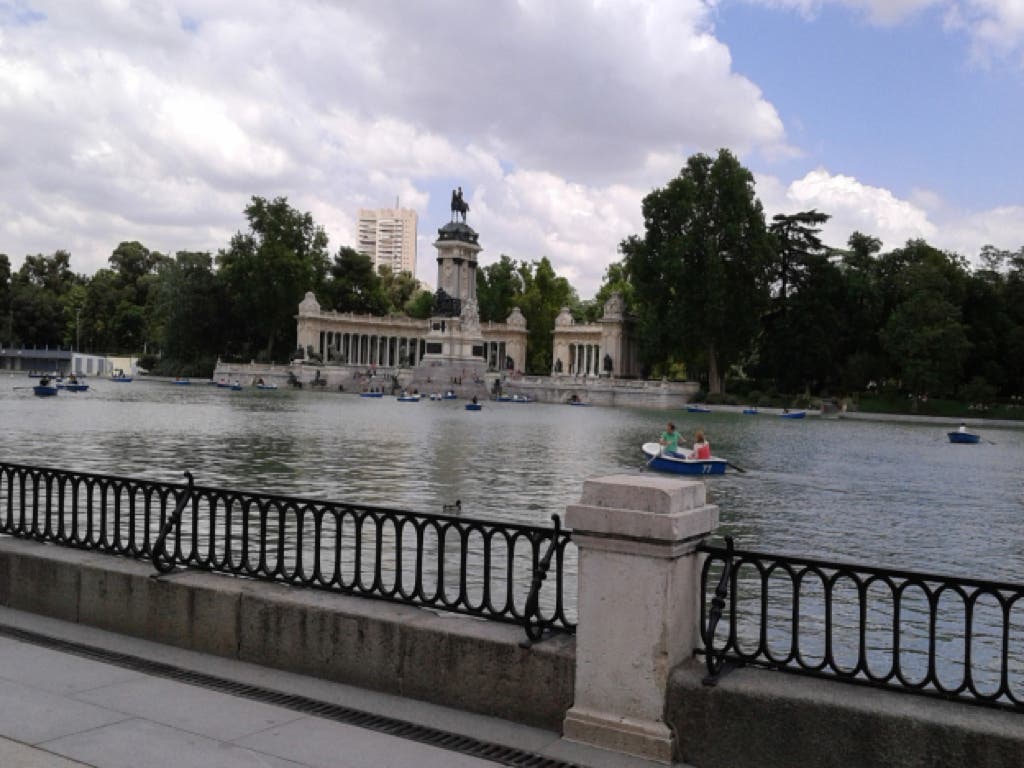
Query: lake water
[882, 493]
[879, 493]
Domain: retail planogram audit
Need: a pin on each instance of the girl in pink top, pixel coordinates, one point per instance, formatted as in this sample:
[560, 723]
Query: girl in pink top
[701, 447]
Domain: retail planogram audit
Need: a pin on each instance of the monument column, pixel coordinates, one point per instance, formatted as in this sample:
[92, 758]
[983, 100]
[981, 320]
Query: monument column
[454, 344]
[639, 606]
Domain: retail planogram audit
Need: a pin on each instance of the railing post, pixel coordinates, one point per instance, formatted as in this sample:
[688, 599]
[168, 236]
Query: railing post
[639, 606]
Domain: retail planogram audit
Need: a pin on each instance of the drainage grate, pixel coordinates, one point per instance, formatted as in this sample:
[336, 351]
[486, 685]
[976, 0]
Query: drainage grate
[434, 737]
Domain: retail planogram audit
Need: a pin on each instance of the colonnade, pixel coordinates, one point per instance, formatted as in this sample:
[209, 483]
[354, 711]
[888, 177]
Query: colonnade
[495, 353]
[585, 359]
[371, 349]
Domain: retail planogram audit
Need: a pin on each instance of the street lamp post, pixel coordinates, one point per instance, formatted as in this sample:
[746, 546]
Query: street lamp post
[78, 323]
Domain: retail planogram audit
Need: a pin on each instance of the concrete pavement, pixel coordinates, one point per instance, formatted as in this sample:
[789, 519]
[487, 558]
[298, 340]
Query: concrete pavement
[124, 705]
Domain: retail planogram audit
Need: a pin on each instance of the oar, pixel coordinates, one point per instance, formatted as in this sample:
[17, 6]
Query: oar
[741, 470]
[648, 462]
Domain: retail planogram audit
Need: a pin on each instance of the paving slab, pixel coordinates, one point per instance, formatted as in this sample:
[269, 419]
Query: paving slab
[57, 672]
[325, 744]
[189, 708]
[139, 743]
[14, 754]
[33, 716]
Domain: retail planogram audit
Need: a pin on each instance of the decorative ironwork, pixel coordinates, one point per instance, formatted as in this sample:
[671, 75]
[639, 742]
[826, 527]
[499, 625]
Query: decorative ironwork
[532, 621]
[953, 638]
[160, 558]
[716, 660]
[444, 562]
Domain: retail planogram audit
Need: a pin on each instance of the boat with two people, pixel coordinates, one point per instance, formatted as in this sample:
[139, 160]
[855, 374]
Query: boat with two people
[678, 462]
[261, 384]
[405, 397]
[120, 376]
[788, 414]
[697, 409]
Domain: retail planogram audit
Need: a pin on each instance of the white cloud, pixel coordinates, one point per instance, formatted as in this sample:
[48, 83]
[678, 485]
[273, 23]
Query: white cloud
[855, 206]
[158, 121]
[878, 11]
[995, 27]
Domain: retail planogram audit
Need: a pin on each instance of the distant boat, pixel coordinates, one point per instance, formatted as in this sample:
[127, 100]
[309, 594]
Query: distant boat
[793, 414]
[74, 387]
[502, 398]
[750, 411]
[963, 437]
[522, 399]
[263, 385]
[408, 398]
[474, 406]
[371, 394]
[182, 381]
[236, 386]
[698, 409]
[120, 376]
[449, 395]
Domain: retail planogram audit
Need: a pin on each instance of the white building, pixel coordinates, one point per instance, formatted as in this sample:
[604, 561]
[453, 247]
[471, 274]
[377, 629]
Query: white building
[388, 236]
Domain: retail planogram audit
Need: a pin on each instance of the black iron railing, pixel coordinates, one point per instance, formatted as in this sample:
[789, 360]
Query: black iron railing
[446, 562]
[954, 638]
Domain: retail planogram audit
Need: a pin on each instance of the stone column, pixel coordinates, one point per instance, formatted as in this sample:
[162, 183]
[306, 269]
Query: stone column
[639, 606]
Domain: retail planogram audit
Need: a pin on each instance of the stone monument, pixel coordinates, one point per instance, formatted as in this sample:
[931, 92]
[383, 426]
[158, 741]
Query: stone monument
[454, 349]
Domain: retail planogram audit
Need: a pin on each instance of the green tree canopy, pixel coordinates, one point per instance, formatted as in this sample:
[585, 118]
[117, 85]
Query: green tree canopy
[266, 272]
[544, 294]
[700, 272]
[353, 285]
[498, 287]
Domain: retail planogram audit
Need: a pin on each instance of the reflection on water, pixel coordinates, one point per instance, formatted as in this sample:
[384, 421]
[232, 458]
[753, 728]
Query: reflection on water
[888, 494]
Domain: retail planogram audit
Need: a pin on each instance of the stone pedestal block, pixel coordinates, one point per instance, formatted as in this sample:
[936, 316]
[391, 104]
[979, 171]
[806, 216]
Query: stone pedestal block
[638, 606]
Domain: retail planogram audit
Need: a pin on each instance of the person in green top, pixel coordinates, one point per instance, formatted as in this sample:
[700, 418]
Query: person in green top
[669, 439]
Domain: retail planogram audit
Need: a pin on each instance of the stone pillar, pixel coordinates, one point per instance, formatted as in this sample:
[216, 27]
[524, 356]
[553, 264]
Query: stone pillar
[639, 606]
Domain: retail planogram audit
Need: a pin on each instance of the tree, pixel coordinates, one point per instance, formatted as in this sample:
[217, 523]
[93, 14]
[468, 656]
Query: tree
[6, 313]
[266, 272]
[700, 273]
[803, 325]
[398, 288]
[498, 287]
[544, 294]
[37, 294]
[189, 299]
[352, 285]
[924, 335]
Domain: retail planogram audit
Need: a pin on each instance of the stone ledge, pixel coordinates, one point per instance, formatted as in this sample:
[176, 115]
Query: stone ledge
[757, 718]
[448, 659]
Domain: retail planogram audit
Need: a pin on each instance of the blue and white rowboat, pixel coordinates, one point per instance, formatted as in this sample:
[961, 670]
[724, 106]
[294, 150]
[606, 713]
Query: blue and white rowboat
[678, 464]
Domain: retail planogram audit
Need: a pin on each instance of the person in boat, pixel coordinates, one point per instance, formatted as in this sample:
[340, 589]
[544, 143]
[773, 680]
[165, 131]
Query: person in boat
[669, 439]
[701, 446]
[259, 382]
[474, 399]
[963, 427]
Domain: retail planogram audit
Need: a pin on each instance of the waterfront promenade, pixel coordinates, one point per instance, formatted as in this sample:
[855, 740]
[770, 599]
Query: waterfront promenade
[133, 703]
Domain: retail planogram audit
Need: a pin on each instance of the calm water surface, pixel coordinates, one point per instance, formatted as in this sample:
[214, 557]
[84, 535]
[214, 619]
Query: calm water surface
[883, 493]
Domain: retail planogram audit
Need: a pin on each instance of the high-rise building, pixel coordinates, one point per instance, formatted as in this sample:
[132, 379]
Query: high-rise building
[388, 236]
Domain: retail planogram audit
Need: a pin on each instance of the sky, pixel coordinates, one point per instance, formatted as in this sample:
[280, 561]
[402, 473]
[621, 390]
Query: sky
[158, 121]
